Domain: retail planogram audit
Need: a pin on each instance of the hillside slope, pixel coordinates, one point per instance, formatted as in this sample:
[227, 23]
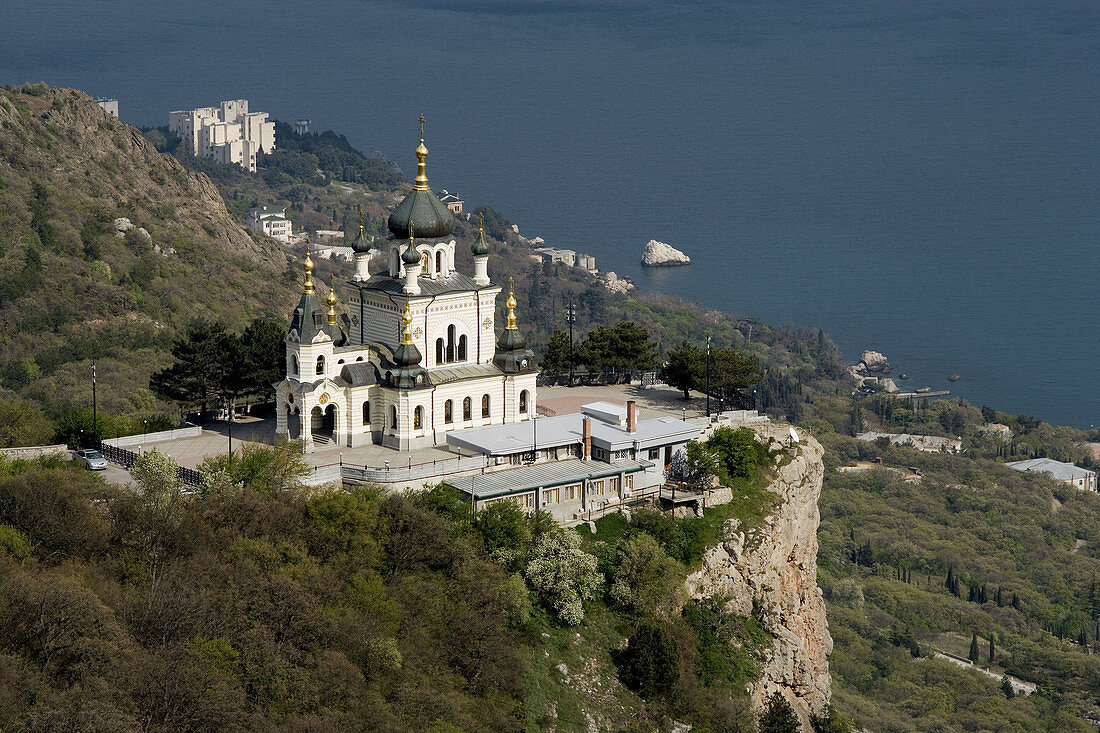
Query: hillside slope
[73, 291]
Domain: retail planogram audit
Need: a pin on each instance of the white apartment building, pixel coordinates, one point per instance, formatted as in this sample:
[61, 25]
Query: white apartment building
[229, 133]
[272, 221]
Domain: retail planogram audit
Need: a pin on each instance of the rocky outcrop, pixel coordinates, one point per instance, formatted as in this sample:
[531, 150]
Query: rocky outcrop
[616, 284]
[774, 570]
[659, 254]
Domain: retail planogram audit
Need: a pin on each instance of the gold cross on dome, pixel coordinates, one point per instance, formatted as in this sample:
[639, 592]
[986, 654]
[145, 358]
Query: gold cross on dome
[421, 127]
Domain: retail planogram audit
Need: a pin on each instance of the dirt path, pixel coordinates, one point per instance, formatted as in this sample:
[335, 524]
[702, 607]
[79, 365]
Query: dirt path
[1077, 546]
[1055, 505]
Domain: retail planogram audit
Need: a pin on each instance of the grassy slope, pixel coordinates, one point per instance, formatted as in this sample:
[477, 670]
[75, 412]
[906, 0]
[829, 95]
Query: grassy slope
[71, 292]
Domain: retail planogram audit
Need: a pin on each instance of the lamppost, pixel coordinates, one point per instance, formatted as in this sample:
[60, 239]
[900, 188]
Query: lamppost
[95, 421]
[144, 430]
[571, 318]
[230, 418]
[708, 376]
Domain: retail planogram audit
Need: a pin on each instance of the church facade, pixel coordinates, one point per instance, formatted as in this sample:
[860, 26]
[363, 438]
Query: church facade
[415, 355]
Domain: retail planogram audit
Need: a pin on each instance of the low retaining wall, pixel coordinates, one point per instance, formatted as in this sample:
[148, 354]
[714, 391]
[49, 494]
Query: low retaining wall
[34, 451]
[126, 441]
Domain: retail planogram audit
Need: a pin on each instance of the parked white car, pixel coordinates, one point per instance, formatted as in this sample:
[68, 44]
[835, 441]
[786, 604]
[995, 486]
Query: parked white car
[93, 459]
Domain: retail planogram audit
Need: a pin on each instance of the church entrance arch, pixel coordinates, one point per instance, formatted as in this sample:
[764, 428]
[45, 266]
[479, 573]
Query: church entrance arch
[323, 423]
[293, 423]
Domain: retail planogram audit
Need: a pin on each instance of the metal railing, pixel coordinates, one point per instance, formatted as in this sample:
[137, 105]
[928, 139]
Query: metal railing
[394, 474]
[126, 458]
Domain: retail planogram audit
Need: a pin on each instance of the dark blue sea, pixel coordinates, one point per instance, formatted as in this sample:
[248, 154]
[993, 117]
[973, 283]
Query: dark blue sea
[920, 178]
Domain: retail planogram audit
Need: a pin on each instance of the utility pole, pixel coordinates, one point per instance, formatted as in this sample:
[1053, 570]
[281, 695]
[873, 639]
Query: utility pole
[571, 318]
[708, 376]
[95, 421]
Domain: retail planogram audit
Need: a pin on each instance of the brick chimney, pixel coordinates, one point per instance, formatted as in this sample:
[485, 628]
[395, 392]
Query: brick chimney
[631, 416]
[587, 438]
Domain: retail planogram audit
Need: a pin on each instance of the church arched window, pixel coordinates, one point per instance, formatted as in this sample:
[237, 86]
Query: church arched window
[393, 417]
[485, 406]
[467, 409]
[439, 262]
[418, 418]
[523, 401]
[425, 263]
[439, 351]
[320, 365]
[449, 411]
[462, 347]
[450, 343]
[294, 364]
[366, 413]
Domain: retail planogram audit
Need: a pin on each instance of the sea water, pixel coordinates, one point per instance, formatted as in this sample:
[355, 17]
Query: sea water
[918, 178]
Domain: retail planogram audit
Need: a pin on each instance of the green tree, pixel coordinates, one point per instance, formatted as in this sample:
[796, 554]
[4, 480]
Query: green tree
[647, 580]
[627, 345]
[972, 655]
[556, 358]
[992, 651]
[496, 226]
[1007, 688]
[778, 716]
[651, 660]
[563, 574]
[22, 424]
[682, 368]
[196, 377]
[738, 452]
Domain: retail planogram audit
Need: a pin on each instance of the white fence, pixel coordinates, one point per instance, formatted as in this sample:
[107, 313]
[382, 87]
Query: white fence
[191, 431]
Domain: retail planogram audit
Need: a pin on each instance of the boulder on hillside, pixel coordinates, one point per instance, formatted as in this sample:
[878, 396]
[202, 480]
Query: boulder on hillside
[659, 254]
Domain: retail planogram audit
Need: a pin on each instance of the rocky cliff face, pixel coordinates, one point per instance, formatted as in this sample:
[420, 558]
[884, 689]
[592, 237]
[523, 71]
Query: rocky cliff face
[775, 569]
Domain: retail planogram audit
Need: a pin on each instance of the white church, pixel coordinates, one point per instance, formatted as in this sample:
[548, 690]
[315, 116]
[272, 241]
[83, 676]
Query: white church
[416, 356]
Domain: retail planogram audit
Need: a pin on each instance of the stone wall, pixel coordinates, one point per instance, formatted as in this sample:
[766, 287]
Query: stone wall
[776, 568]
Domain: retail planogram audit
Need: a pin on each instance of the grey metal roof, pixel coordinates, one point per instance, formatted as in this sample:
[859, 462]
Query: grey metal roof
[358, 374]
[456, 282]
[561, 430]
[1057, 469]
[541, 475]
[458, 372]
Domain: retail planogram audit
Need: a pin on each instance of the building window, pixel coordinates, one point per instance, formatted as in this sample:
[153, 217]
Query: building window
[294, 364]
[654, 454]
[320, 365]
[597, 488]
[572, 492]
[462, 347]
[550, 496]
[467, 409]
[439, 351]
[523, 401]
[485, 412]
[366, 413]
[418, 418]
[439, 262]
[449, 411]
[527, 501]
[628, 482]
[450, 343]
[393, 417]
[424, 260]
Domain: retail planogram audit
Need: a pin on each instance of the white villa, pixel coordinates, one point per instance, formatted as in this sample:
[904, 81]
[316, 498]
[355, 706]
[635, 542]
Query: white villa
[272, 221]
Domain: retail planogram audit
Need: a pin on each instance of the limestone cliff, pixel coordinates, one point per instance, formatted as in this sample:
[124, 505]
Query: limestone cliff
[775, 569]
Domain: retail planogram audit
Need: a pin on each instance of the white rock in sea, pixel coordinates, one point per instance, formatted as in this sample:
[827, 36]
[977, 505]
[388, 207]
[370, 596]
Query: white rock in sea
[659, 254]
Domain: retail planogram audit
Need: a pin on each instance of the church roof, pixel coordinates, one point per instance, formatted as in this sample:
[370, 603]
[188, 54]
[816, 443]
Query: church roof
[458, 372]
[359, 374]
[453, 283]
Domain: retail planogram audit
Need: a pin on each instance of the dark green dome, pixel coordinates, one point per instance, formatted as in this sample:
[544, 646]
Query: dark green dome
[429, 217]
[410, 256]
[480, 246]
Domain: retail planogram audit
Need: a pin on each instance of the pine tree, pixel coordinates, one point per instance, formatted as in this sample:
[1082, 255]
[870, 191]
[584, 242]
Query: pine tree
[1006, 688]
[778, 717]
[973, 655]
[992, 651]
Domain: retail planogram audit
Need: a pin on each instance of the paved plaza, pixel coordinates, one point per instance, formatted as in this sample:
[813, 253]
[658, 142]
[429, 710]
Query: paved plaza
[214, 440]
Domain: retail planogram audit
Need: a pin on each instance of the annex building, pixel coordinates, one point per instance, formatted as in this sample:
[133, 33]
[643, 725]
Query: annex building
[415, 355]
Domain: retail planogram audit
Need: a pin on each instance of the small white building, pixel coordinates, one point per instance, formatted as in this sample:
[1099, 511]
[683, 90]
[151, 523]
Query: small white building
[272, 221]
[328, 236]
[110, 106]
[451, 201]
[1075, 476]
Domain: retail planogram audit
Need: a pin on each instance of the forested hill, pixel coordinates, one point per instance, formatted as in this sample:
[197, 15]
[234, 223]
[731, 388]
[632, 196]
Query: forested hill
[71, 291]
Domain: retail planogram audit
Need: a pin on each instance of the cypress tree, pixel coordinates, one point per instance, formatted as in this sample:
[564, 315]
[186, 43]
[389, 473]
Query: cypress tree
[1016, 601]
[973, 655]
[950, 582]
[992, 651]
[1006, 688]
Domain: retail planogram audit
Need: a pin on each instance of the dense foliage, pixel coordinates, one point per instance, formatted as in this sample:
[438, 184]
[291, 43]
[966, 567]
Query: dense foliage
[969, 558]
